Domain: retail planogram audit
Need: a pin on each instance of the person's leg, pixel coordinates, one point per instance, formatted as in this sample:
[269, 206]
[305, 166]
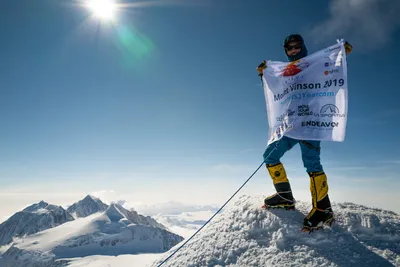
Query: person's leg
[310, 153]
[322, 211]
[276, 150]
[272, 156]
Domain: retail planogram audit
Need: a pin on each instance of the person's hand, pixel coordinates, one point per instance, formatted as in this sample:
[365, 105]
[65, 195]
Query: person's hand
[261, 67]
[348, 47]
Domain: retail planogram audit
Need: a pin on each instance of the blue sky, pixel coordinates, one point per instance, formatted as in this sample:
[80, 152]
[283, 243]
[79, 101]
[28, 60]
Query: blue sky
[166, 103]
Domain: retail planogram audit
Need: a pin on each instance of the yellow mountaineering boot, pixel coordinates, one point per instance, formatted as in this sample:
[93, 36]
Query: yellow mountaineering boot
[321, 212]
[283, 197]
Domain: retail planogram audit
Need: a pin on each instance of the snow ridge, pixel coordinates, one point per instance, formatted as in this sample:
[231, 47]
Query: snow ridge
[136, 218]
[246, 235]
[87, 206]
[33, 219]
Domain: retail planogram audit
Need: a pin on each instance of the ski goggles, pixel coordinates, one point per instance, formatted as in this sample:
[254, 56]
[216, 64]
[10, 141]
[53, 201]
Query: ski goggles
[291, 47]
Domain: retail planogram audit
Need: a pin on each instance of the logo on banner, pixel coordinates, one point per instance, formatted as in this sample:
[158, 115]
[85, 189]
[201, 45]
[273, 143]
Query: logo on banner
[320, 124]
[332, 52]
[327, 72]
[330, 110]
[293, 79]
[329, 64]
[336, 64]
[288, 113]
[304, 110]
[295, 68]
[280, 130]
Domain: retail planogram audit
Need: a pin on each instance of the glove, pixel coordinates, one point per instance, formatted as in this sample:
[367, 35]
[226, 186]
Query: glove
[261, 67]
[348, 47]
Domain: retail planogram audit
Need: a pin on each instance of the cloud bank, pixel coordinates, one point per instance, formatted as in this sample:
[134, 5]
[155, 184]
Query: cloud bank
[367, 24]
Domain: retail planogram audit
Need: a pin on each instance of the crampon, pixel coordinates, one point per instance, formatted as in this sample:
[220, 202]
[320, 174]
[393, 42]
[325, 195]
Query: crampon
[320, 225]
[282, 206]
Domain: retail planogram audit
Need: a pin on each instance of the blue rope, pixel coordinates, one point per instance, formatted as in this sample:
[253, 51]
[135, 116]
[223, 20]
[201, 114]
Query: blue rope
[212, 216]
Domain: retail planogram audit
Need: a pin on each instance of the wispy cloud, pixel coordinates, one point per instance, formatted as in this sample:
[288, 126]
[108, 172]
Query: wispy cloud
[231, 168]
[391, 162]
[371, 23]
[352, 168]
[369, 180]
[172, 207]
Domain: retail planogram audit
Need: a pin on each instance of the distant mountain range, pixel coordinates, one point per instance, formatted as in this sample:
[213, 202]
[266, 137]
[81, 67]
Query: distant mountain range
[43, 233]
[33, 219]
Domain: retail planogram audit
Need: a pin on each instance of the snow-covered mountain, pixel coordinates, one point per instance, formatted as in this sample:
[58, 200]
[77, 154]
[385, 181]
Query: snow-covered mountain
[246, 235]
[242, 235]
[114, 232]
[87, 206]
[133, 216]
[33, 219]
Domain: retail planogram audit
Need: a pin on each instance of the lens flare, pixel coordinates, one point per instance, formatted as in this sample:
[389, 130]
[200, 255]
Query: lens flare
[105, 10]
[133, 42]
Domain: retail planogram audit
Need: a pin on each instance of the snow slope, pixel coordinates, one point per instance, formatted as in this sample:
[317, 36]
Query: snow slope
[133, 216]
[114, 261]
[114, 232]
[33, 219]
[245, 235]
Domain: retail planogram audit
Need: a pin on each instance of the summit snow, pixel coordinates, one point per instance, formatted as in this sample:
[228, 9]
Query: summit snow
[246, 235]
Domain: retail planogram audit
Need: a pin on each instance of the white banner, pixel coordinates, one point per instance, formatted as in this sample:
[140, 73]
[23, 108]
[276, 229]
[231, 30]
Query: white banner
[307, 99]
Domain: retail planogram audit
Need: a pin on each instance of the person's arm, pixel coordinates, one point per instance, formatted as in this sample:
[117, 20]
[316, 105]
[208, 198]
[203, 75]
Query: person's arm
[261, 67]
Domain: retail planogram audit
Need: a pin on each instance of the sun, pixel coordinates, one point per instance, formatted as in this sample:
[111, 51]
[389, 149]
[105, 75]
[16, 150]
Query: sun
[104, 10]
